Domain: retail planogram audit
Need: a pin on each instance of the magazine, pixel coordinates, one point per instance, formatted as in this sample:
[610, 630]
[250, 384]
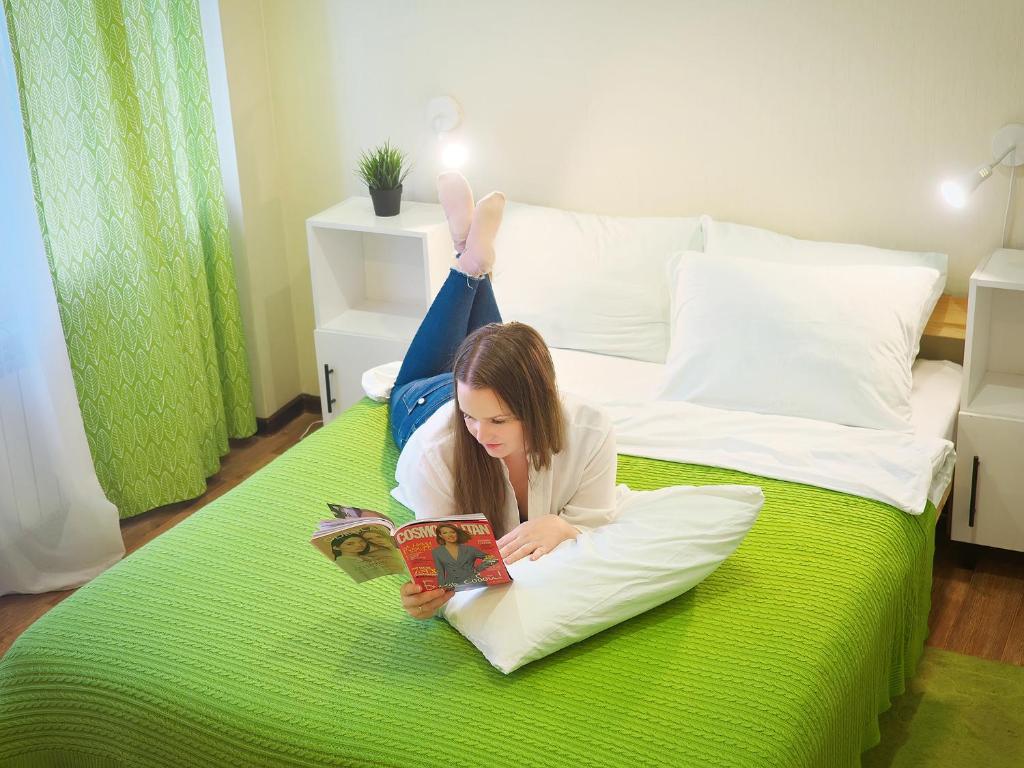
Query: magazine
[458, 552]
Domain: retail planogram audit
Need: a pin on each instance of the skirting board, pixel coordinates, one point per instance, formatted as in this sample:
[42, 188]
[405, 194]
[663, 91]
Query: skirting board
[297, 405]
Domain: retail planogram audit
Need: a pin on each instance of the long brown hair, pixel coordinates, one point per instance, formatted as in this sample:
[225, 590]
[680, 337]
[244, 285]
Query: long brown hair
[461, 537]
[512, 360]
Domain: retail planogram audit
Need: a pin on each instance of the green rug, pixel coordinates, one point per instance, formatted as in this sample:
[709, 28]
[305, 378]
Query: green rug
[957, 711]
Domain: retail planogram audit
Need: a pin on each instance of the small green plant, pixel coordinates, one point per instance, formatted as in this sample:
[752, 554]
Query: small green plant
[383, 167]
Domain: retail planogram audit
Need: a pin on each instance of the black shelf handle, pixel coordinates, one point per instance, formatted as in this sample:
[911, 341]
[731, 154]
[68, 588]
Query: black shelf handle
[331, 401]
[974, 493]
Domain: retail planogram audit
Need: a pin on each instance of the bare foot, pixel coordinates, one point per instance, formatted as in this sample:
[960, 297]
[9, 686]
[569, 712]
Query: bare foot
[478, 257]
[457, 201]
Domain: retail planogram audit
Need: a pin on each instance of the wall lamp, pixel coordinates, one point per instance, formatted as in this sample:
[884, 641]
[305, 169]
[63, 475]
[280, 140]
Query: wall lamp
[1007, 149]
[445, 115]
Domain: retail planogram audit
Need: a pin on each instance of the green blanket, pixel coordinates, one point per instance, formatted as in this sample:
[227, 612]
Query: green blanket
[229, 640]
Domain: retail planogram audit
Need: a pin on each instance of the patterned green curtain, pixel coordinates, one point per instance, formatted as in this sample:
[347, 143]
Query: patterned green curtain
[119, 128]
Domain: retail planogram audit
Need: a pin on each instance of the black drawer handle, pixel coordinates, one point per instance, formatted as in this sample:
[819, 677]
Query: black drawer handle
[974, 493]
[331, 401]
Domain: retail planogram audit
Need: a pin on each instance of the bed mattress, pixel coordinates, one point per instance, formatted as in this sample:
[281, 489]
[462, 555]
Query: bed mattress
[229, 641]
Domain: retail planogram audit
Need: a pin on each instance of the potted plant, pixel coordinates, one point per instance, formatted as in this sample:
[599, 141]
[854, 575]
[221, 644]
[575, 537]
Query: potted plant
[384, 168]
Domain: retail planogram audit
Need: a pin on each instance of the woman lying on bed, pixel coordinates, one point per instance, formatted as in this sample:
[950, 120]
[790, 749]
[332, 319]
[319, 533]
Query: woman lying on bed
[478, 418]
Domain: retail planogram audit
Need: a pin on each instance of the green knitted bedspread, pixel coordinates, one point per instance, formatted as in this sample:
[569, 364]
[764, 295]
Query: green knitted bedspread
[230, 641]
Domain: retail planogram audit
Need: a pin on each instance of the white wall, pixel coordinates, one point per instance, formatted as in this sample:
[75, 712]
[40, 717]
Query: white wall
[829, 120]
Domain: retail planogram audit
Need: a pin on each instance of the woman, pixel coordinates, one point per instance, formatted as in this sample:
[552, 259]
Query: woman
[379, 541]
[350, 552]
[349, 545]
[361, 559]
[478, 419]
[456, 561]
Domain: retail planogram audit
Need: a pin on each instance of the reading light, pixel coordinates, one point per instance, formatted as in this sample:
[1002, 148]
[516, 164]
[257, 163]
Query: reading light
[454, 154]
[958, 191]
[1005, 146]
[1007, 149]
[444, 115]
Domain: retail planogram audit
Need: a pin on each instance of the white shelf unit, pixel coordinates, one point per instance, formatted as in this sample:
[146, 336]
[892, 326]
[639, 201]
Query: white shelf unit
[988, 499]
[373, 280]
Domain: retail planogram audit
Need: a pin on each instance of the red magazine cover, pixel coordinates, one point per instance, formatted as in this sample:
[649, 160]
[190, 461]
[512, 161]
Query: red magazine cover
[453, 552]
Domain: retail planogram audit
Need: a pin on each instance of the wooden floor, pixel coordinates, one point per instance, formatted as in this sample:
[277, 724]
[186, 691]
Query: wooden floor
[977, 594]
[977, 600]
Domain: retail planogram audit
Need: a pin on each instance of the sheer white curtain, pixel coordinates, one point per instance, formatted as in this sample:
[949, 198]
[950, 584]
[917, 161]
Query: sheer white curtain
[57, 529]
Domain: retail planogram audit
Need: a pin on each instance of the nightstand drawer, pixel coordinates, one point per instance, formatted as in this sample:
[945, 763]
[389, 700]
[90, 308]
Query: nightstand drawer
[989, 466]
[341, 360]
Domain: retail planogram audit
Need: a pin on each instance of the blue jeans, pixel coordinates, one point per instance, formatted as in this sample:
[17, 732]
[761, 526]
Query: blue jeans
[425, 381]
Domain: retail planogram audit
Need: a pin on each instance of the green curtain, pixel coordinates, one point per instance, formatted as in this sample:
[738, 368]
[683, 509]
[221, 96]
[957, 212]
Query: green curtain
[120, 134]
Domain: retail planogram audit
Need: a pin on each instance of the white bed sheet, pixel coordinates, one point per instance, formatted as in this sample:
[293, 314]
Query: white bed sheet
[902, 469]
[897, 468]
[935, 398]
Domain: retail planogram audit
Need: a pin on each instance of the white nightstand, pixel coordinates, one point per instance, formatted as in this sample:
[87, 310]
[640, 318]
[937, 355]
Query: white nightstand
[988, 500]
[373, 280]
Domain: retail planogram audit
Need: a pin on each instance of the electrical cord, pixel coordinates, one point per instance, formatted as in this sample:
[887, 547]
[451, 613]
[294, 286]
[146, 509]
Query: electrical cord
[1009, 200]
[310, 426]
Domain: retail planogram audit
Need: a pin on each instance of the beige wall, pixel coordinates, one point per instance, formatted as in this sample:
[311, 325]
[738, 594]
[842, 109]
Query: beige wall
[828, 120]
[270, 294]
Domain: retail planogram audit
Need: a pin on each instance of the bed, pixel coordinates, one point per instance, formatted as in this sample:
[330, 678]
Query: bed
[229, 641]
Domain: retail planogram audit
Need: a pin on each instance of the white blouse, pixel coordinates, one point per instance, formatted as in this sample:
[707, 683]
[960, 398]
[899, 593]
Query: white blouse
[579, 484]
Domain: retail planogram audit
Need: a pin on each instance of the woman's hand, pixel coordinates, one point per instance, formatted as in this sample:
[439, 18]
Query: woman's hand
[535, 538]
[420, 604]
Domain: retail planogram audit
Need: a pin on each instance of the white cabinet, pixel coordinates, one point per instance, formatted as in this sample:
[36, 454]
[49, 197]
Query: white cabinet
[989, 461]
[988, 501]
[373, 280]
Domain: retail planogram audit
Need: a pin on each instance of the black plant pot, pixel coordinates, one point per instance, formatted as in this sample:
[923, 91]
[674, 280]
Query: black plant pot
[387, 202]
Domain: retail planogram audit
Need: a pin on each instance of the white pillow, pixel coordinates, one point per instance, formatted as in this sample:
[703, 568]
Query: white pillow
[833, 343]
[740, 241]
[589, 282]
[380, 380]
[660, 544]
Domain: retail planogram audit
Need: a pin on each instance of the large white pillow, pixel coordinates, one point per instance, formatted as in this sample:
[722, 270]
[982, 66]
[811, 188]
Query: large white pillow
[740, 241]
[589, 282]
[660, 544]
[833, 343]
